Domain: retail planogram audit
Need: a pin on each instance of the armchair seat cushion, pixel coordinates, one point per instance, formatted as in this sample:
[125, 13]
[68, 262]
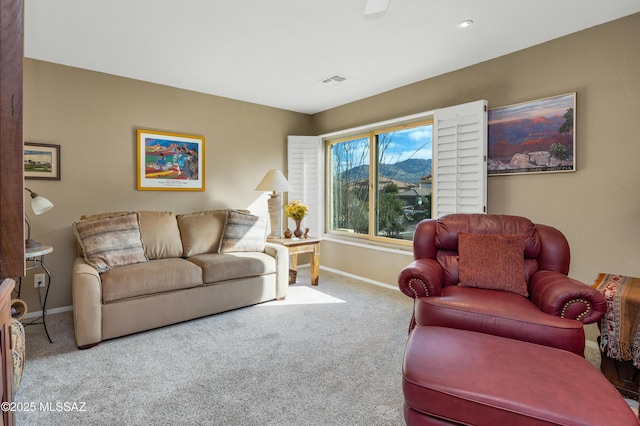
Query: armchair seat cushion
[499, 313]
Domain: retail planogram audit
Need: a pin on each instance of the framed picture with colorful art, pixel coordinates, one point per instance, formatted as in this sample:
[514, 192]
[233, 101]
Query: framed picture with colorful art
[41, 161]
[170, 161]
[533, 137]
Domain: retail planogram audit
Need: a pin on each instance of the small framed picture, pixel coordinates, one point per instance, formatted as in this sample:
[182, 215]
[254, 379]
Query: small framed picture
[170, 161]
[41, 161]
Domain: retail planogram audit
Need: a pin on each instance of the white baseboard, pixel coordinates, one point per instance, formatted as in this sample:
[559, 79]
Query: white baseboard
[591, 344]
[358, 277]
[38, 314]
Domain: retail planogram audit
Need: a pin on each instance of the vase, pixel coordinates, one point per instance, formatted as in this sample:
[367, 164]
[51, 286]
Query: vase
[298, 232]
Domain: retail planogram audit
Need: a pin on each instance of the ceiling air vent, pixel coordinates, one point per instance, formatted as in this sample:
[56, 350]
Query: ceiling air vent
[336, 80]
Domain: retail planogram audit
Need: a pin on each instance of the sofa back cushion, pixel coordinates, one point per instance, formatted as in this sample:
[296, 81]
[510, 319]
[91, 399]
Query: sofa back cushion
[201, 231]
[160, 234]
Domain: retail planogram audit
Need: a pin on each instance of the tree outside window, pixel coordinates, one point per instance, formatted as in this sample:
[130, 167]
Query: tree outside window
[380, 183]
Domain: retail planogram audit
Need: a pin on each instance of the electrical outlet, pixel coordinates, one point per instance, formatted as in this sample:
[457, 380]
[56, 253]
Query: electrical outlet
[38, 280]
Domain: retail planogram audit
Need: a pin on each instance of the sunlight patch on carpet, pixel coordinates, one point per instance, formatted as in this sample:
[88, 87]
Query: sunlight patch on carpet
[303, 296]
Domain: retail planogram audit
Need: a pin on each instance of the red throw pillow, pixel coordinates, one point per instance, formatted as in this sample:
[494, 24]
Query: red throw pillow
[492, 261]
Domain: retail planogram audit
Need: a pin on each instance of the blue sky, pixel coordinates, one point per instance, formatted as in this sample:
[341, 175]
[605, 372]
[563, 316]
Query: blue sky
[411, 143]
[414, 143]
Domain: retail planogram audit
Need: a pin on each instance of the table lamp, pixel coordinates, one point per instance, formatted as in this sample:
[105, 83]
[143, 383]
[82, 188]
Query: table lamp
[39, 205]
[274, 181]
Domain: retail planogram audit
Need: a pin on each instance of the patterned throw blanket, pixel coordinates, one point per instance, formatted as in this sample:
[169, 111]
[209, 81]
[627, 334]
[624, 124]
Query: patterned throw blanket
[620, 335]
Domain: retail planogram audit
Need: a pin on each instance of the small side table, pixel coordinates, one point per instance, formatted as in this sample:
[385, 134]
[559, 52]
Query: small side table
[34, 259]
[303, 245]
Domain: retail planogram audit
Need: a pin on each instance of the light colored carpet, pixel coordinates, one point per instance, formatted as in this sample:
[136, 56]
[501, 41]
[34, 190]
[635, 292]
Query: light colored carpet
[328, 355]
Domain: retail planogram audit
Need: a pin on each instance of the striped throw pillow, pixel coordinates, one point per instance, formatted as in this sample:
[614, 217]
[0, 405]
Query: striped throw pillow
[108, 242]
[243, 232]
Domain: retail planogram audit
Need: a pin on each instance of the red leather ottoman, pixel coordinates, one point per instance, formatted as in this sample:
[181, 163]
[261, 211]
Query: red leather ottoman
[455, 376]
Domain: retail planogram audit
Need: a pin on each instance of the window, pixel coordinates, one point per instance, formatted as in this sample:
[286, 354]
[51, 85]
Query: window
[380, 182]
[361, 183]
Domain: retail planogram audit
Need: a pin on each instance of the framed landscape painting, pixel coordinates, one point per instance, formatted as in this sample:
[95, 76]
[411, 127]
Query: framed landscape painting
[170, 161]
[41, 161]
[533, 137]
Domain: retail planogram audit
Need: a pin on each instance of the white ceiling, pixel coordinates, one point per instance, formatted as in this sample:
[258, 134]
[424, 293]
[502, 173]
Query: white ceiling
[276, 52]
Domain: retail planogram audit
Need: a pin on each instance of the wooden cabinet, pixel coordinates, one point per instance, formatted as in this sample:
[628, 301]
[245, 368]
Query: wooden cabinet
[12, 262]
[11, 142]
[6, 357]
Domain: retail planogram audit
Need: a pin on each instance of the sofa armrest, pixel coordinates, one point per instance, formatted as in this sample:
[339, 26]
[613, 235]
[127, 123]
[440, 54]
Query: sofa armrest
[421, 278]
[86, 288]
[281, 254]
[559, 295]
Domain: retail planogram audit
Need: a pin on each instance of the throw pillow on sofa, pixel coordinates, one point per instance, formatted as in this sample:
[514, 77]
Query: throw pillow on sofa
[110, 241]
[243, 232]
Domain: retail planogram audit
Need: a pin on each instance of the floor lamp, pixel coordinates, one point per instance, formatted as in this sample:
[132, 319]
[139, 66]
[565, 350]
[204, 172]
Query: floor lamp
[39, 205]
[275, 182]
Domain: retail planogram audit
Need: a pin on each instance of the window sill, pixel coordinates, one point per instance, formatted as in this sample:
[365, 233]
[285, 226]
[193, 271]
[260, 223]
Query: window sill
[371, 245]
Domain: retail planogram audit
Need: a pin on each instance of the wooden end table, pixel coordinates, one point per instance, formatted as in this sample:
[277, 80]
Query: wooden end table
[309, 245]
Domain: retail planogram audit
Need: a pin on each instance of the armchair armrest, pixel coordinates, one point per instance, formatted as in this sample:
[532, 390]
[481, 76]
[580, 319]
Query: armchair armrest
[421, 278]
[559, 295]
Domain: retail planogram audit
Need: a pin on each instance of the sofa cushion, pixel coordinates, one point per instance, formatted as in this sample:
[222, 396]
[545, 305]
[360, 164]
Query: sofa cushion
[221, 267]
[155, 276]
[201, 231]
[492, 261]
[110, 241]
[160, 234]
[243, 232]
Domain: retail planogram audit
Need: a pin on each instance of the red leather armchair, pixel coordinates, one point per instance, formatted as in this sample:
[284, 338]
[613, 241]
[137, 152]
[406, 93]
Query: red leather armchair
[554, 312]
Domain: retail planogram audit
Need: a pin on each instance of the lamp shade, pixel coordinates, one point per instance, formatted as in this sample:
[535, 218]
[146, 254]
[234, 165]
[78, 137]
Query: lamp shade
[274, 181]
[39, 204]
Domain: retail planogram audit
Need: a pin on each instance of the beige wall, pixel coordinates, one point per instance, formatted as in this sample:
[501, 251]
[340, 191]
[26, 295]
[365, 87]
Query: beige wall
[94, 118]
[597, 207]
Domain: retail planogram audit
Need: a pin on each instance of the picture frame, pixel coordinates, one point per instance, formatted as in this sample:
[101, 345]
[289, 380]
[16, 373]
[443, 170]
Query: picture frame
[41, 161]
[533, 137]
[170, 161]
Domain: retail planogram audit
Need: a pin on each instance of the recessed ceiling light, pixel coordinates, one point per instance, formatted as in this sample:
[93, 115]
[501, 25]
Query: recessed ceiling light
[465, 24]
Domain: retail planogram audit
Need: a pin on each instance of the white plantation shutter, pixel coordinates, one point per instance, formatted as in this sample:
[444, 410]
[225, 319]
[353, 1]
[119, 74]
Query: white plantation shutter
[460, 159]
[306, 164]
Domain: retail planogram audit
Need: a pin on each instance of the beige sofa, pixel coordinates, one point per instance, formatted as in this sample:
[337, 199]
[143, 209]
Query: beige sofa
[136, 271]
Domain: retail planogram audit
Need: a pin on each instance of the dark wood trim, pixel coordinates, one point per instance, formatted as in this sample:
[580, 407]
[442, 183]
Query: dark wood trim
[11, 139]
